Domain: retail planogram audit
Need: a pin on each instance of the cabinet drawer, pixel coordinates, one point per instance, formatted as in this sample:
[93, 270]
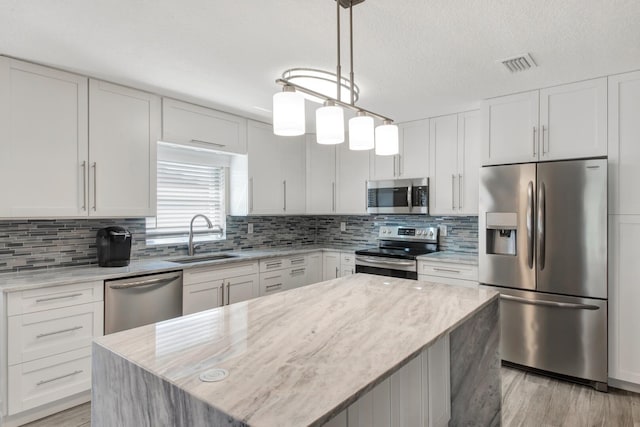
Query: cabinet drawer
[273, 264]
[273, 282]
[452, 270]
[46, 333]
[448, 281]
[54, 297]
[42, 381]
[297, 276]
[347, 259]
[208, 274]
[296, 261]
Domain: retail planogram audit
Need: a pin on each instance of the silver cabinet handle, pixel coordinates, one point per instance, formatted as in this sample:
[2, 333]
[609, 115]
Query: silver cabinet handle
[84, 185]
[60, 297]
[222, 294]
[333, 197]
[208, 142]
[60, 377]
[274, 264]
[448, 270]
[399, 165]
[297, 271]
[277, 285]
[534, 141]
[395, 158]
[228, 293]
[148, 282]
[545, 141]
[459, 191]
[297, 261]
[530, 224]
[284, 190]
[48, 334]
[541, 224]
[453, 191]
[95, 186]
[336, 272]
[250, 194]
[549, 303]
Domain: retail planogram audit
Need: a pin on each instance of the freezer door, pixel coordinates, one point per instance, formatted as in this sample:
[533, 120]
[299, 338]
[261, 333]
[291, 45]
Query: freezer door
[572, 228]
[555, 333]
[506, 226]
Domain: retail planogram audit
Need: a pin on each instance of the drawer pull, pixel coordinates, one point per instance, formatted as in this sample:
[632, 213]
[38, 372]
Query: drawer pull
[277, 285]
[60, 377]
[448, 270]
[48, 334]
[60, 297]
[298, 271]
[297, 261]
[274, 264]
[272, 277]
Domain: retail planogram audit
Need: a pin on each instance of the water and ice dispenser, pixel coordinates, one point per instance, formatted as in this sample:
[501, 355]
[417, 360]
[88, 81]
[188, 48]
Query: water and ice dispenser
[502, 233]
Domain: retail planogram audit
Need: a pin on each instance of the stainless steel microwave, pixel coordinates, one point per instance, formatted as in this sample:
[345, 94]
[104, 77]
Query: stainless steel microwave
[398, 196]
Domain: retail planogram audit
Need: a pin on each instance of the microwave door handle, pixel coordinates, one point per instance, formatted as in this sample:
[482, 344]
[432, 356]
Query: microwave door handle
[409, 193]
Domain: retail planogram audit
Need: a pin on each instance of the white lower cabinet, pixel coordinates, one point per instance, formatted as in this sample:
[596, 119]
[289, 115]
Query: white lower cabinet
[330, 265]
[418, 394]
[314, 270]
[347, 264]
[205, 288]
[281, 274]
[449, 273]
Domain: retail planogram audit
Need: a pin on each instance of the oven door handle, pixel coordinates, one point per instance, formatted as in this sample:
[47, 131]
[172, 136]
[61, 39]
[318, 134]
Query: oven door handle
[379, 261]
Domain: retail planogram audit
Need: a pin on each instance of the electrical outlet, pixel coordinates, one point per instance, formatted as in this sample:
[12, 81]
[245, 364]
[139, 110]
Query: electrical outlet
[443, 230]
[343, 226]
[249, 228]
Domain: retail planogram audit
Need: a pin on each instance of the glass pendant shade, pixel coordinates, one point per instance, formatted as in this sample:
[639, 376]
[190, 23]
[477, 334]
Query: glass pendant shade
[387, 139]
[361, 134]
[288, 113]
[330, 124]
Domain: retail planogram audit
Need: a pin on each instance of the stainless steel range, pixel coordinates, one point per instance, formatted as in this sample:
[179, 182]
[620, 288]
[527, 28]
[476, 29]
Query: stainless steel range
[397, 251]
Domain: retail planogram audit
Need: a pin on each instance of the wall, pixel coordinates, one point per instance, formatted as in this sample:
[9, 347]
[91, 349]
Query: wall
[38, 244]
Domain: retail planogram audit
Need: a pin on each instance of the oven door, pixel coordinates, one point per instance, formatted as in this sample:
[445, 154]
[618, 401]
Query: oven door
[405, 269]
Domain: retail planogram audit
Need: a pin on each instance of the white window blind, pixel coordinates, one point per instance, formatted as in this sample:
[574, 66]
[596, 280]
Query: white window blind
[190, 181]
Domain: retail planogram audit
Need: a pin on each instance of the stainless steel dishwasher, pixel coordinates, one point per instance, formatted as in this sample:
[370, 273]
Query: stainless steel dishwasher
[141, 300]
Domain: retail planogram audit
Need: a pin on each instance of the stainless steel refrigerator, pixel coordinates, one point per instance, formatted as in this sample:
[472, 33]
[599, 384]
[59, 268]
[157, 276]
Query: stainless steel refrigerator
[543, 245]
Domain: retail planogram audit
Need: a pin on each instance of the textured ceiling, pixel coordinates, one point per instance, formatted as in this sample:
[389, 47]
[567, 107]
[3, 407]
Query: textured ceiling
[413, 58]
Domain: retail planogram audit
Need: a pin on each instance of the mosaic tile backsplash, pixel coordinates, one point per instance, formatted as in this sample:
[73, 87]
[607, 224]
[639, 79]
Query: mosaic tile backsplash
[37, 244]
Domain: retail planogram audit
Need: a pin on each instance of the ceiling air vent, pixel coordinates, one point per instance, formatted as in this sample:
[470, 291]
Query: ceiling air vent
[519, 63]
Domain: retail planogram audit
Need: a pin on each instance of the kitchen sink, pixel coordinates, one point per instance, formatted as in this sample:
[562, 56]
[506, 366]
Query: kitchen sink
[203, 258]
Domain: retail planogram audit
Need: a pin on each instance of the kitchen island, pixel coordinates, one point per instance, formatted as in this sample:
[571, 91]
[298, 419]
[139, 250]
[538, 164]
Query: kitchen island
[310, 356]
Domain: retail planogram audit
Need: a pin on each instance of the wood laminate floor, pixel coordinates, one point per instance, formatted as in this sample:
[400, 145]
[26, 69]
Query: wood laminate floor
[528, 400]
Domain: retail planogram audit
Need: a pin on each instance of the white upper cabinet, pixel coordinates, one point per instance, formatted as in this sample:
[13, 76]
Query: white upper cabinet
[276, 172]
[352, 172]
[188, 123]
[561, 122]
[573, 120]
[455, 162]
[124, 127]
[624, 144]
[412, 161]
[510, 133]
[43, 154]
[321, 177]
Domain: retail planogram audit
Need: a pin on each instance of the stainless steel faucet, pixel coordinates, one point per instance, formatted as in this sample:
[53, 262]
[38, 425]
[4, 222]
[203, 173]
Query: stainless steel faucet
[209, 224]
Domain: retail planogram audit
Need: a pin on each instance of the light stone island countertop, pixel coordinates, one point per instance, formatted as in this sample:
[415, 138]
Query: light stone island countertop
[33, 279]
[294, 359]
[450, 256]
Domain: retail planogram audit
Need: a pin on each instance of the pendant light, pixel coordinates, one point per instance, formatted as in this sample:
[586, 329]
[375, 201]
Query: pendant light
[330, 124]
[361, 134]
[387, 143]
[288, 112]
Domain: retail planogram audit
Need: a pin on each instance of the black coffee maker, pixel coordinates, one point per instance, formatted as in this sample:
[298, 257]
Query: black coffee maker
[114, 246]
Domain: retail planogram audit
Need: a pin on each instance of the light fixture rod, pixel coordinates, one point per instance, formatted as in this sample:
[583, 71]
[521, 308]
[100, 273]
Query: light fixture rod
[339, 70]
[303, 89]
[351, 76]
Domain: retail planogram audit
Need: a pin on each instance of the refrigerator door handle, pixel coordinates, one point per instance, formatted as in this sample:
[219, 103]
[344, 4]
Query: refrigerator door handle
[549, 303]
[541, 225]
[530, 224]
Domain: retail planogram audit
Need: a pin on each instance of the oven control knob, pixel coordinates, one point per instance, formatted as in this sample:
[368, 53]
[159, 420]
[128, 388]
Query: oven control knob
[431, 234]
[420, 232]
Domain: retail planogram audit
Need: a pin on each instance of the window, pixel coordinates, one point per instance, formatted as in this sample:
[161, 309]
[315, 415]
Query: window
[190, 181]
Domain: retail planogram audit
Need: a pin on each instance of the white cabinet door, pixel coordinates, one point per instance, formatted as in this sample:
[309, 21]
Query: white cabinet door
[407, 395]
[443, 186]
[314, 270]
[189, 123]
[202, 296]
[321, 177]
[292, 152]
[124, 127]
[382, 167]
[624, 143]
[330, 265]
[439, 382]
[469, 136]
[624, 295]
[43, 154]
[510, 129]
[241, 288]
[266, 187]
[352, 173]
[573, 120]
[296, 277]
[413, 160]
[373, 409]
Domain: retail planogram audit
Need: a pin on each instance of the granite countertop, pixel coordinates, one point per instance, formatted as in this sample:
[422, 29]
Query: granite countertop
[31, 279]
[450, 256]
[300, 356]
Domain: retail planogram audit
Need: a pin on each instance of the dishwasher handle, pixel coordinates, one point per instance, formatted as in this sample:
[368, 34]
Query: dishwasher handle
[146, 282]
